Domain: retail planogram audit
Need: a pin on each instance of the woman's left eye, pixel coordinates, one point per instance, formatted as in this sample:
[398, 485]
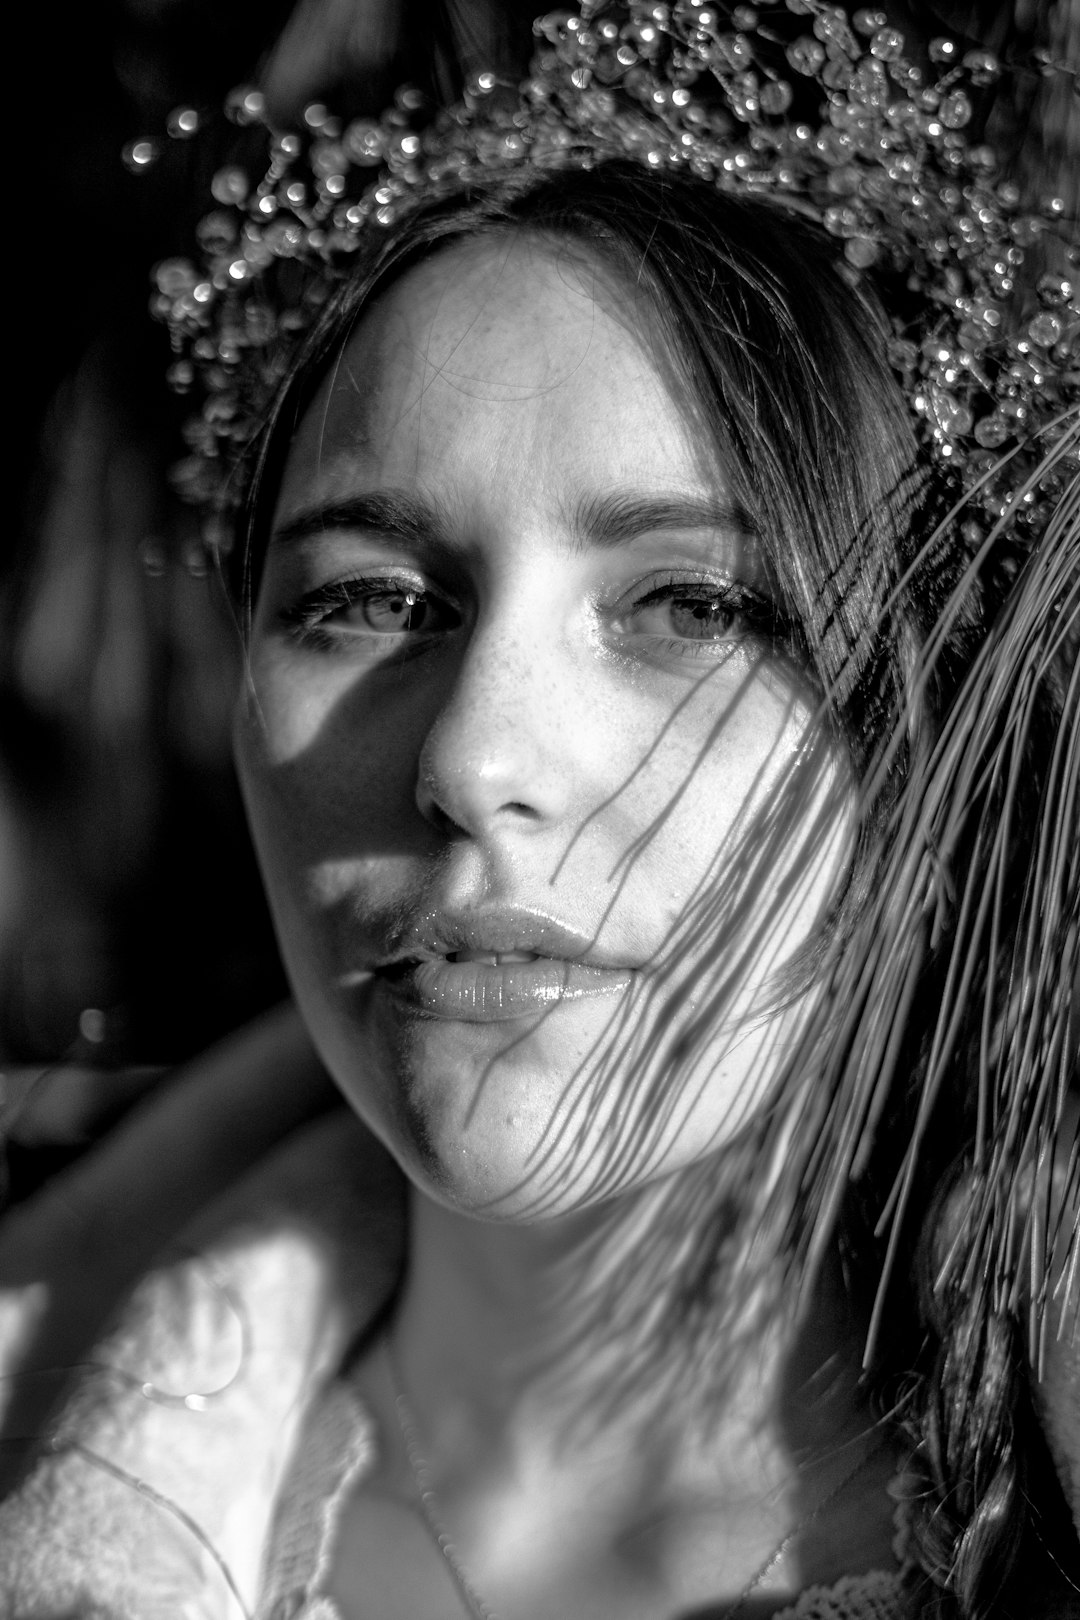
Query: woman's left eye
[699, 611]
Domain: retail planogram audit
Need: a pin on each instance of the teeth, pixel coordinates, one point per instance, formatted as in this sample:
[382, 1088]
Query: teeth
[492, 958]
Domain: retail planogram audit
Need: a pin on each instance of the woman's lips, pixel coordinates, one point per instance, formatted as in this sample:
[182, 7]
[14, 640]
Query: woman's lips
[477, 986]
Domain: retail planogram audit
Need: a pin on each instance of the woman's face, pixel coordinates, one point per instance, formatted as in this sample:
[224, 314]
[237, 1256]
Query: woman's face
[537, 799]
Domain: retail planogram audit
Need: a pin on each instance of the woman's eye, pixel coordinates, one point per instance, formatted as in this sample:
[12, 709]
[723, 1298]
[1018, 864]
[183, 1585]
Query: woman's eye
[695, 618]
[691, 612]
[390, 612]
[370, 608]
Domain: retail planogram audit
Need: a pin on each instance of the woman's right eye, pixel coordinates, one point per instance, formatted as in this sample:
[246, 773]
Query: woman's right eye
[394, 610]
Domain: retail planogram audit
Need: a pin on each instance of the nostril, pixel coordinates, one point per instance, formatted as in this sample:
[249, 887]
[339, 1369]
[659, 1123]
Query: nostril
[445, 823]
[442, 821]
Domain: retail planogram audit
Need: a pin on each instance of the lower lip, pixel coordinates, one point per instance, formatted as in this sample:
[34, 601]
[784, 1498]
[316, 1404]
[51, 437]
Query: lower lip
[482, 993]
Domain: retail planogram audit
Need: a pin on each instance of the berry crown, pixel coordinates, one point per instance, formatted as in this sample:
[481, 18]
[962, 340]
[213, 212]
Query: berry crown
[798, 101]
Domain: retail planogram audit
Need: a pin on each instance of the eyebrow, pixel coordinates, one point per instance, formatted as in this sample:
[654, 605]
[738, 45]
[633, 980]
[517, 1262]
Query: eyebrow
[611, 519]
[601, 520]
[390, 512]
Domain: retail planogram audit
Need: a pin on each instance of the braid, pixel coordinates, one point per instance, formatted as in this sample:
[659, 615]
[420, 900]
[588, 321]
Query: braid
[965, 1424]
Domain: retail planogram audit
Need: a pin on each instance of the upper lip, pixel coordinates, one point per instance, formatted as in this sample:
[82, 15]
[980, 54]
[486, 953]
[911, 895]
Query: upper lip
[440, 933]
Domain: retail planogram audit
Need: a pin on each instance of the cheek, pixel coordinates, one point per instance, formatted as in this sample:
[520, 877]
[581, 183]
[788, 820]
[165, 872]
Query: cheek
[327, 774]
[299, 811]
[742, 814]
[289, 703]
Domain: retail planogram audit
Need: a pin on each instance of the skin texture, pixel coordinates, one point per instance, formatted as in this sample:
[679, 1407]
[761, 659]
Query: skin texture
[558, 734]
[586, 720]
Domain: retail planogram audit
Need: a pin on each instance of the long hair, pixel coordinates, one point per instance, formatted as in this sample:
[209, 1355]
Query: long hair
[913, 1125]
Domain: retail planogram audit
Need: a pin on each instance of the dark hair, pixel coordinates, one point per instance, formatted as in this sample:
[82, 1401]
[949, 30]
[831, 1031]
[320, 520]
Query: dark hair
[905, 633]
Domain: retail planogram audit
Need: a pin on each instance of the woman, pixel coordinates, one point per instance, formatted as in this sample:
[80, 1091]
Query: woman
[608, 648]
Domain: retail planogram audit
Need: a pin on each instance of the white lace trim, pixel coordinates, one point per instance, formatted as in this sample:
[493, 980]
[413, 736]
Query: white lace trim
[878, 1595]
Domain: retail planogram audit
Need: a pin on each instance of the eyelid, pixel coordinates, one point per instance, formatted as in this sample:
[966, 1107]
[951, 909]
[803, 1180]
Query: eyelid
[690, 579]
[356, 550]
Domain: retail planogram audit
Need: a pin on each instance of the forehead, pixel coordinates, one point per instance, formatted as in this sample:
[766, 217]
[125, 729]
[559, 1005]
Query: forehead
[505, 348]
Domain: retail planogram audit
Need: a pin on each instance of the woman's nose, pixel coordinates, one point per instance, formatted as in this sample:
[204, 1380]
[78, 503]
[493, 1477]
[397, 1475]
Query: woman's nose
[498, 754]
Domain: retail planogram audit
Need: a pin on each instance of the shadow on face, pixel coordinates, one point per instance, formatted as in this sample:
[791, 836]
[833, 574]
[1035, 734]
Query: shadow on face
[543, 808]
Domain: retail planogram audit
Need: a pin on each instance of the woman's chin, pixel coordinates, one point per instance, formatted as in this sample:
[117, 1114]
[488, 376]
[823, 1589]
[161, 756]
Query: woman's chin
[515, 1120]
[482, 1137]
[490, 1183]
[486, 1118]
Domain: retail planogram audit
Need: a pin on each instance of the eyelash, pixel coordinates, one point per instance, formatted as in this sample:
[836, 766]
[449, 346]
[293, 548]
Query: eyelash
[310, 620]
[756, 615]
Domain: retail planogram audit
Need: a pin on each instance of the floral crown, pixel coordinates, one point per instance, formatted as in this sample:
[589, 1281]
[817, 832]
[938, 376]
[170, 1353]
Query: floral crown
[798, 101]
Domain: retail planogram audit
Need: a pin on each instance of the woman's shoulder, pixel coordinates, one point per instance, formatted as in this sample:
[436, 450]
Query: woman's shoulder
[174, 1430]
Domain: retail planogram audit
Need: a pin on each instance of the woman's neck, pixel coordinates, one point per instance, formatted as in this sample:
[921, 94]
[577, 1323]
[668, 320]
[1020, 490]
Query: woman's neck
[664, 1504]
[505, 1340]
